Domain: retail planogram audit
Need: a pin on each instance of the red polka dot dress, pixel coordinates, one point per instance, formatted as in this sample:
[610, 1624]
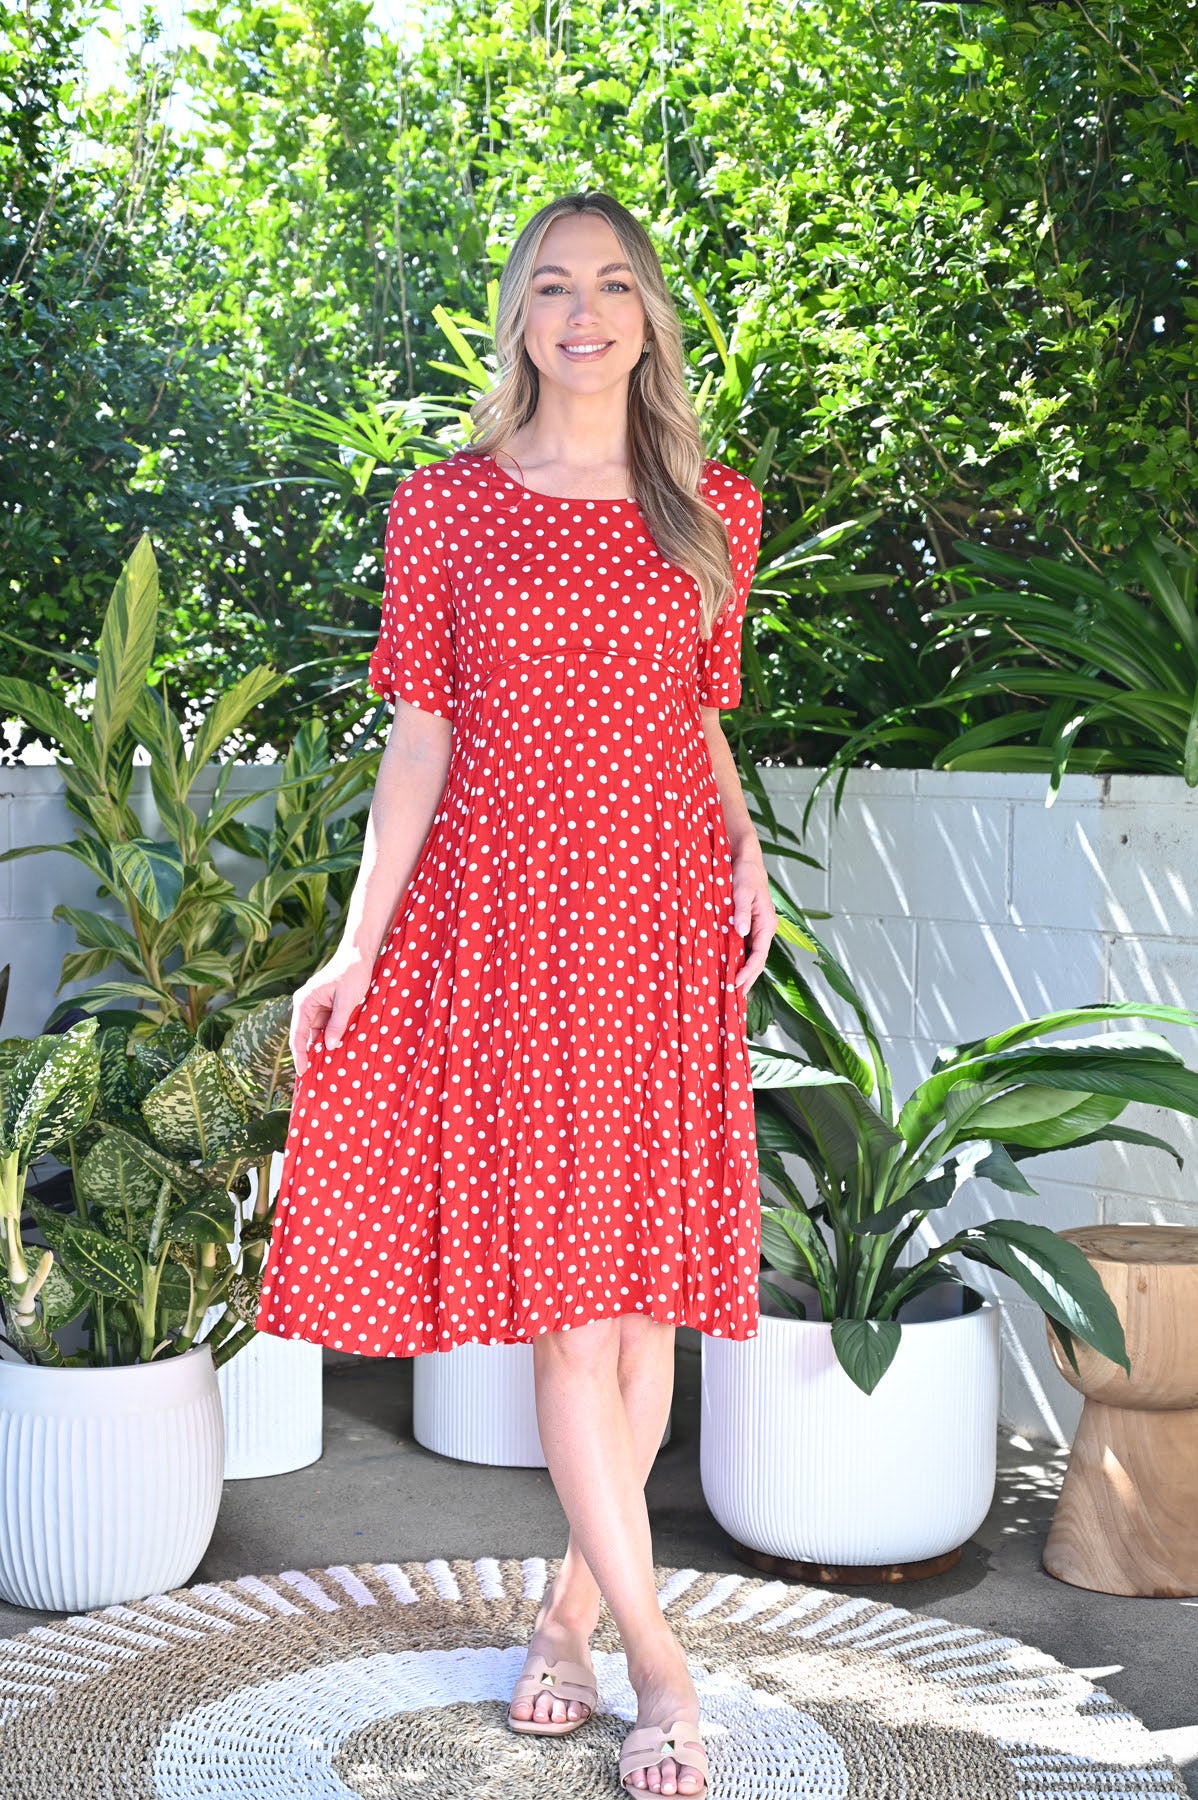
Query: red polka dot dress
[541, 1113]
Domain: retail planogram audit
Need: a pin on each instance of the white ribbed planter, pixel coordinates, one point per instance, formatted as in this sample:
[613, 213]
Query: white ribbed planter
[110, 1480]
[797, 1462]
[478, 1403]
[272, 1395]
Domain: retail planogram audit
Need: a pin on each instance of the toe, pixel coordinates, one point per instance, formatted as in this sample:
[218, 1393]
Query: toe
[690, 1781]
[521, 1709]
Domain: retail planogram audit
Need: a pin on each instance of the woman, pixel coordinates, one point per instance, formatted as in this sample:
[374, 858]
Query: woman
[523, 1108]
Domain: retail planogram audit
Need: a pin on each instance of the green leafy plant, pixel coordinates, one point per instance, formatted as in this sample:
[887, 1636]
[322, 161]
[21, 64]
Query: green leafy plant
[879, 1168]
[169, 1143]
[190, 941]
[1108, 661]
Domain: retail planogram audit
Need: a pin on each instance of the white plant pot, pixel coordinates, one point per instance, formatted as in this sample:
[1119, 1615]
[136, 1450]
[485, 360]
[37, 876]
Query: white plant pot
[796, 1462]
[110, 1480]
[272, 1392]
[478, 1403]
[272, 1395]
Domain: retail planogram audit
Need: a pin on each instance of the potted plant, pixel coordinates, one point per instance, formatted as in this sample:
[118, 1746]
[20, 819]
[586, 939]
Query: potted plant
[188, 946]
[163, 1132]
[857, 1431]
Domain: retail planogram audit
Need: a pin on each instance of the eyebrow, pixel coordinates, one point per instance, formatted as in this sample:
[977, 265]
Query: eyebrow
[556, 269]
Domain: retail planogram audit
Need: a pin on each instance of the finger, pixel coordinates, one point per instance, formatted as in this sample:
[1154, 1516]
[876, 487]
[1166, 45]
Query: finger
[334, 1029]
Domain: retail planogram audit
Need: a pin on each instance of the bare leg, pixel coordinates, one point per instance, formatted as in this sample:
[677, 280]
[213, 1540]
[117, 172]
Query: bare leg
[569, 1611]
[599, 1476]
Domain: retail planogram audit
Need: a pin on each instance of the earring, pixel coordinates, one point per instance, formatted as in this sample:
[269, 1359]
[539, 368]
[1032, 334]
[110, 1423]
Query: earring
[644, 349]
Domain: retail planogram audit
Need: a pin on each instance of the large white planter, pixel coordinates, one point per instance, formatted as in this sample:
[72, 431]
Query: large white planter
[272, 1396]
[110, 1480]
[478, 1403]
[272, 1393]
[797, 1462]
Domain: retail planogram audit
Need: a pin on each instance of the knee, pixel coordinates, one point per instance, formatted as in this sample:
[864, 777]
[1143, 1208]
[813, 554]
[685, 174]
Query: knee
[592, 1349]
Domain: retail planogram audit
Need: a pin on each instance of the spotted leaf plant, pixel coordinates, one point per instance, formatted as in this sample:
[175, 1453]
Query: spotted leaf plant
[877, 1170]
[169, 1140]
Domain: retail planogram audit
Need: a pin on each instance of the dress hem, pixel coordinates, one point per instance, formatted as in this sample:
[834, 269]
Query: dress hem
[331, 1342]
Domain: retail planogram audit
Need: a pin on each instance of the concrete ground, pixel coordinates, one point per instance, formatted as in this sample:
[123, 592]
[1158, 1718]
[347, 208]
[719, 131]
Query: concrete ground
[376, 1496]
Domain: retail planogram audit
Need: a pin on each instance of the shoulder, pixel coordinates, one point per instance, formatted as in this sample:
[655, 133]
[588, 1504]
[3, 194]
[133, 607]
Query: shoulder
[728, 490]
[732, 494]
[450, 485]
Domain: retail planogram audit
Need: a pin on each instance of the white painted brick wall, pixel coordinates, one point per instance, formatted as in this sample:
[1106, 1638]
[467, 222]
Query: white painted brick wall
[959, 904]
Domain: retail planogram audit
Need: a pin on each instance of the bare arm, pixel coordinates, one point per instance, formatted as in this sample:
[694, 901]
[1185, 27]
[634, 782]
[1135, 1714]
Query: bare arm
[407, 791]
[753, 910]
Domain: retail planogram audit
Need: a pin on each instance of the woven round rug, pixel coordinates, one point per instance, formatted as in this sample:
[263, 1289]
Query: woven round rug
[384, 1680]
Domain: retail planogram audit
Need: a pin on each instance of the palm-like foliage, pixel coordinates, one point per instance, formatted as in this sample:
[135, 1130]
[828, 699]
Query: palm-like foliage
[1108, 664]
[881, 1168]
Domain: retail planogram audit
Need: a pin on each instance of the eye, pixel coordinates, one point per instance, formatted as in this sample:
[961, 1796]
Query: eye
[550, 286]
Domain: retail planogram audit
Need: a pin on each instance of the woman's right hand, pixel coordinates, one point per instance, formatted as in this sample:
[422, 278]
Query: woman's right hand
[326, 1001]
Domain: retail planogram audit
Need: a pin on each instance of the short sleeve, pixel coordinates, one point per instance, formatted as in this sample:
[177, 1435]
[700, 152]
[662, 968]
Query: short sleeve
[738, 500]
[414, 656]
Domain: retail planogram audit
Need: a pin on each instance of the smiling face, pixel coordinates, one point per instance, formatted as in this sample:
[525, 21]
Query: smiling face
[586, 322]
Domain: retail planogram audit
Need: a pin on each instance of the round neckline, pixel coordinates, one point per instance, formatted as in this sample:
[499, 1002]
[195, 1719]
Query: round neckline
[561, 499]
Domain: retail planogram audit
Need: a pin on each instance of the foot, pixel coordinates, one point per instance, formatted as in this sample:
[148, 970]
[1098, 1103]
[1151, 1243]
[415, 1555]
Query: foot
[555, 1634]
[665, 1693]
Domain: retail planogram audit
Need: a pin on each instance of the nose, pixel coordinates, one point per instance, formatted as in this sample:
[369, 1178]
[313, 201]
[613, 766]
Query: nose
[583, 309]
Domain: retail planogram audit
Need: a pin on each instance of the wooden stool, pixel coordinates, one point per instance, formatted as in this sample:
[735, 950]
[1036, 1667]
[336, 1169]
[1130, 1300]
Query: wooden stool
[1126, 1521]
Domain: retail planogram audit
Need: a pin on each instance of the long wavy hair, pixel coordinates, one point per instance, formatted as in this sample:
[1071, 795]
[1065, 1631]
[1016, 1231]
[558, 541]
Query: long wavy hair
[665, 449]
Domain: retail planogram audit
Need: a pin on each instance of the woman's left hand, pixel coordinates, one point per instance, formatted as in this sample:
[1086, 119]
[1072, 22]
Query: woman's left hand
[753, 913]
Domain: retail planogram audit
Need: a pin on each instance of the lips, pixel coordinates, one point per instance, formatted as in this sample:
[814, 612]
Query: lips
[582, 351]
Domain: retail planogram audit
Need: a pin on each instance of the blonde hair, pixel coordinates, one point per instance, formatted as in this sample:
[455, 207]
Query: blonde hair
[665, 448]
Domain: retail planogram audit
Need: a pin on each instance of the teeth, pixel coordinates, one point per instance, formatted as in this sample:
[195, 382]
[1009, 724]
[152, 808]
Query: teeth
[583, 350]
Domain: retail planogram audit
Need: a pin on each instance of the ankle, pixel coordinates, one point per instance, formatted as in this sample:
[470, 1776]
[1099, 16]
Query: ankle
[658, 1661]
[571, 1619]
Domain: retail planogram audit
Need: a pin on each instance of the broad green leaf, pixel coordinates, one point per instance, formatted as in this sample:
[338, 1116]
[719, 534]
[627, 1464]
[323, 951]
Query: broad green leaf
[47, 714]
[156, 1053]
[774, 1069]
[865, 1349]
[232, 708]
[928, 1195]
[189, 1183]
[96, 932]
[999, 1167]
[1061, 1021]
[112, 1174]
[153, 873]
[258, 1138]
[845, 1127]
[1055, 1274]
[190, 1112]
[257, 1053]
[125, 647]
[62, 1298]
[1021, 1108]
[206, 969]
[211, 1221]
[107, 1268]
[792, 1245]
[50, 1095]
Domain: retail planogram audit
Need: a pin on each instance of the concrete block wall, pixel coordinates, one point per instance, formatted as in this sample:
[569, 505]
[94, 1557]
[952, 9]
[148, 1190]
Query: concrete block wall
[961, 904]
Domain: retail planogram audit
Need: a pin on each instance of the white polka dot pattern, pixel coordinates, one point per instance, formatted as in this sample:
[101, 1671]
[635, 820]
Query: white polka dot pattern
[541, 1114]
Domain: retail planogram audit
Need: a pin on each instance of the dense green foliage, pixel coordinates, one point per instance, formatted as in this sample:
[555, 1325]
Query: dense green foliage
[936, 265]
